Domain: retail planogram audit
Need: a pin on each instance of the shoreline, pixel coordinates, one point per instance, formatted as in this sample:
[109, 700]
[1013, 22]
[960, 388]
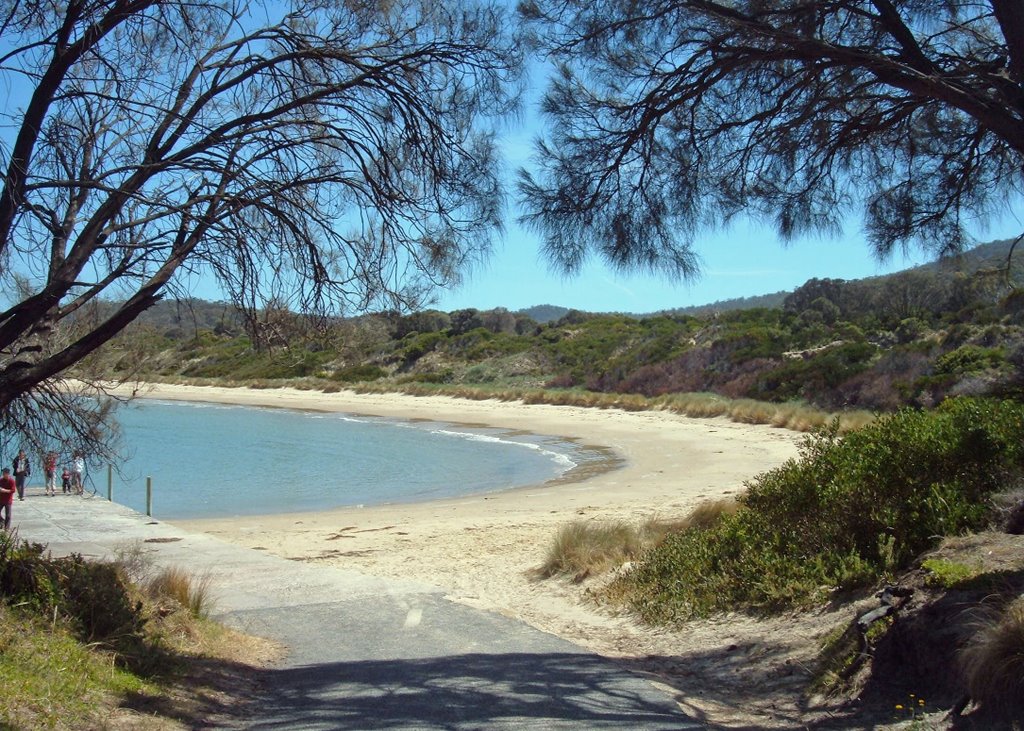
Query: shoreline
[482, 550]
[553, 459]
[655, 461]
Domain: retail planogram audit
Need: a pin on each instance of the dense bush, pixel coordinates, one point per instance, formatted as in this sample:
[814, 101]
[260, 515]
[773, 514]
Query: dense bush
[361, 372]
[844, 513]
[817, 375]
[93, 597]
[415, 345]
[969, 359]
[481, 343]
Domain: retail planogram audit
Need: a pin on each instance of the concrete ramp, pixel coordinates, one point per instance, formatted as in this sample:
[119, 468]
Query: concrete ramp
[366, 652]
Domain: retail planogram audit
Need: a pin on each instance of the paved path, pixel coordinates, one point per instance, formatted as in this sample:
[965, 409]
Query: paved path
[369, 653]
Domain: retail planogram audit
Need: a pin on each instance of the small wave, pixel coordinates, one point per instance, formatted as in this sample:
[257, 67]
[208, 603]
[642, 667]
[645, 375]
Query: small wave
[562, 460]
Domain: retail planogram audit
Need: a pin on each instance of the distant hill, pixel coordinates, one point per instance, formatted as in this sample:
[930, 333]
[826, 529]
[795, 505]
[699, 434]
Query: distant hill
[544, 313]
[992, 255]
[989, 256]
[771, 301]
[192, 315]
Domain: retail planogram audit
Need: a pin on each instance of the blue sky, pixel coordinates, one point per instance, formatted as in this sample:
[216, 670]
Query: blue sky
[746, 260]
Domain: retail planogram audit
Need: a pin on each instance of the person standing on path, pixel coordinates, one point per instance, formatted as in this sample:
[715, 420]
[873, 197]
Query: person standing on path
[22, 469]
[7, 490]
[77, 468]
[50, 470]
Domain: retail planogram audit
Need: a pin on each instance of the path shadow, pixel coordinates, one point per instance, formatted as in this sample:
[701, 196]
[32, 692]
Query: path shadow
[734, 677]
[471, 691]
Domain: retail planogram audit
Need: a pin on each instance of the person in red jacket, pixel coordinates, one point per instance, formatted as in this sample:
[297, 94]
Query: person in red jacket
[7, 490]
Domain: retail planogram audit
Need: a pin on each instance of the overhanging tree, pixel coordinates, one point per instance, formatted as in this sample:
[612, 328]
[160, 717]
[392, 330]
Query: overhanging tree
[669, 117]
[329, 154]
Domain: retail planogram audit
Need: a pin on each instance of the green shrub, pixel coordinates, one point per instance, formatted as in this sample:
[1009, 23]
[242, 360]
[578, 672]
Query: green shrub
[445, 375]
[357, 373]
[480, 343]
[97, 599]
[800, 378]
[969, 359]
[416, 345]
[846, 512]
[94, 597]
[910, 329]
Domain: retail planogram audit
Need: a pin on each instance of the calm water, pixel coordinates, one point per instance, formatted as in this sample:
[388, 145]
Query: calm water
[214, 461]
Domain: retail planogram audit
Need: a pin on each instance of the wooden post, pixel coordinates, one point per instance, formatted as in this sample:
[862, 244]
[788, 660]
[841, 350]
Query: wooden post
[149, 496]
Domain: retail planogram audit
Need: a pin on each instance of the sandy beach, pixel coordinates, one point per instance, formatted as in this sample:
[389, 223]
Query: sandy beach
[481, 549]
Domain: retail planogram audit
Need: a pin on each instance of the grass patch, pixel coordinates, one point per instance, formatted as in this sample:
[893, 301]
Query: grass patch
[52, 680]
[82, 645]
[948, 574]
[706, 515]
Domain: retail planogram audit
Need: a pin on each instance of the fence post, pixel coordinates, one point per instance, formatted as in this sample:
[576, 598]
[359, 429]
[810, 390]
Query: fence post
[149, 496]
[110, 482]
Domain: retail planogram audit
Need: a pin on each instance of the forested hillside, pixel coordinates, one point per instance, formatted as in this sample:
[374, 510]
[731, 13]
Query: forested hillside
[910, 338]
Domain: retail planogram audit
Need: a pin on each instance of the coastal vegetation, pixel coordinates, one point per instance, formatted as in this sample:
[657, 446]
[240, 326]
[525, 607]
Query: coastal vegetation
[916, 509]
[236, 151]
[846, 514]
[874, 345]
[88, 644]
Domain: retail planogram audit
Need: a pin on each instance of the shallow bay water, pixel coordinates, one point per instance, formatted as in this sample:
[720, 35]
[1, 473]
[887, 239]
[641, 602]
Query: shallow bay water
[209, 460]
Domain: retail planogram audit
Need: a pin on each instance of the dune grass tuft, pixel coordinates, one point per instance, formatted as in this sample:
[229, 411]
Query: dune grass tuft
[192, 593]
[585, 548]
[582, 548]
[708, 513]
[993, 661]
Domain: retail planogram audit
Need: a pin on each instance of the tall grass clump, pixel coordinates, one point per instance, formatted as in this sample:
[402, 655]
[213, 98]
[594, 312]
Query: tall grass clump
[582, 548]
[847, 511]
[993, 661]
[190, 592]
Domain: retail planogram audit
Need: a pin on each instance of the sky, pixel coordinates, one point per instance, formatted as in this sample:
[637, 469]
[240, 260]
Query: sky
[746, 260]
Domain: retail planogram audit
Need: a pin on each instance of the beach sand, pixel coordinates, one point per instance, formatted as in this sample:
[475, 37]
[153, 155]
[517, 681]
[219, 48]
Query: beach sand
[481, 549]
